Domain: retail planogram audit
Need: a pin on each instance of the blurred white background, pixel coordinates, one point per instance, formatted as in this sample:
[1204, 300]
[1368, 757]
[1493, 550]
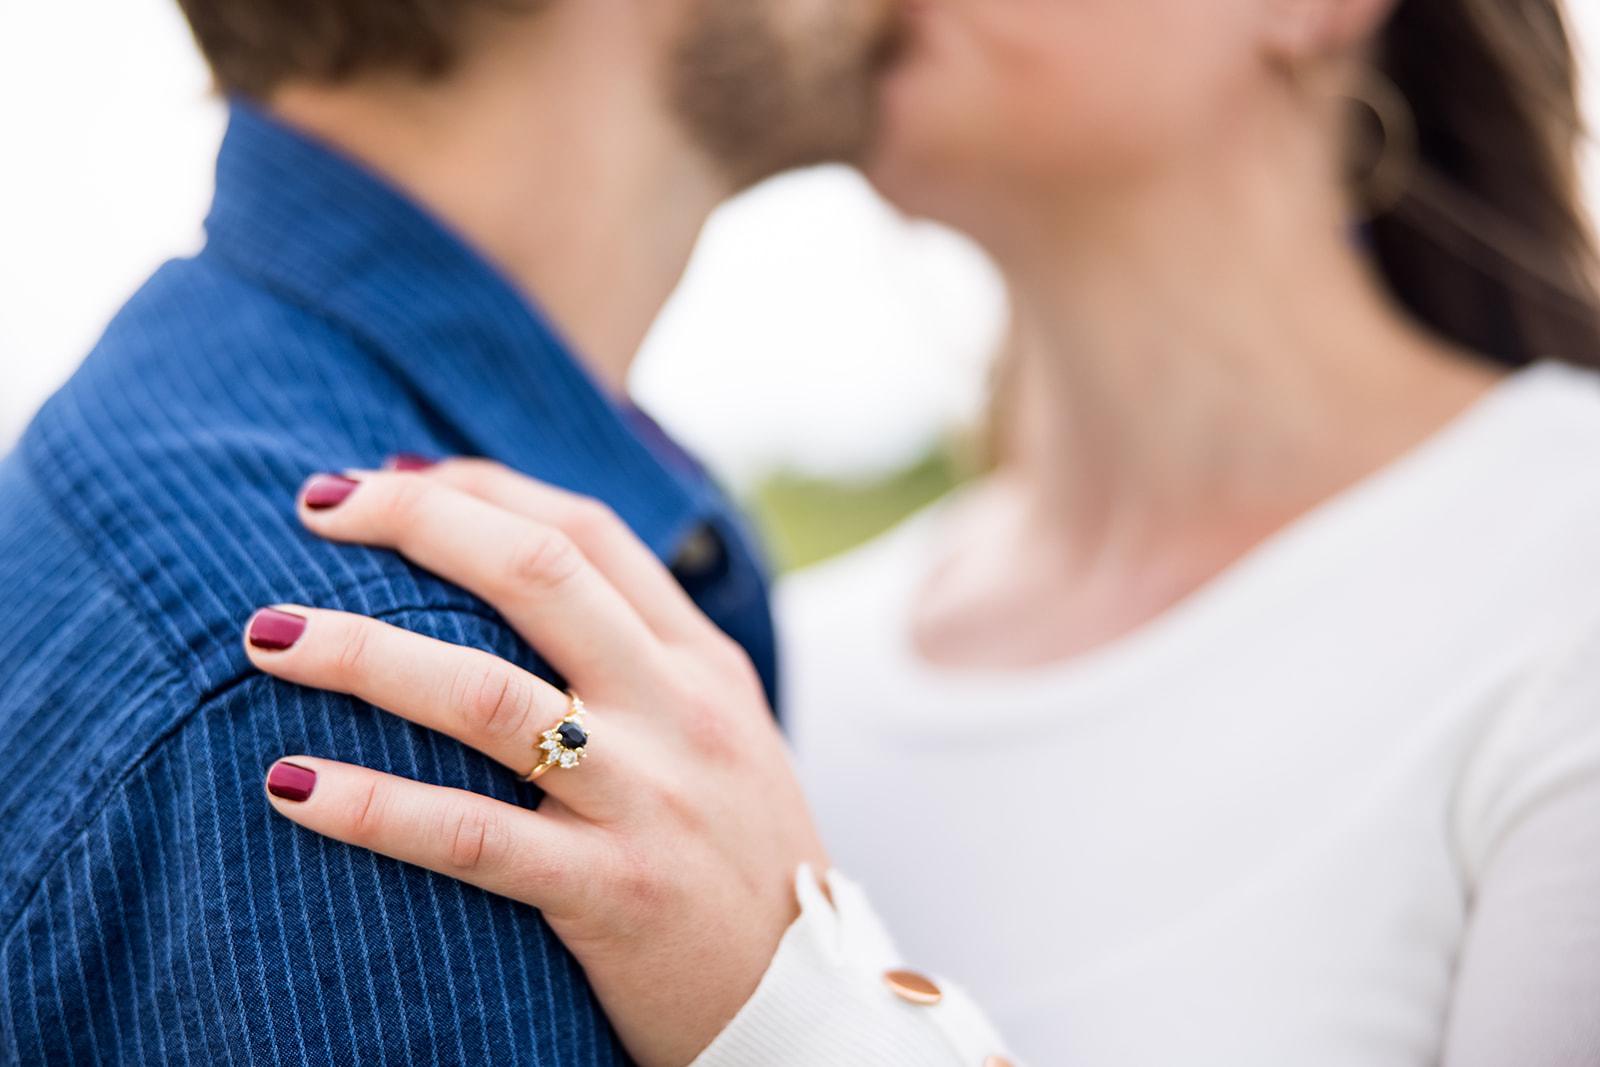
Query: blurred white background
[815, 331]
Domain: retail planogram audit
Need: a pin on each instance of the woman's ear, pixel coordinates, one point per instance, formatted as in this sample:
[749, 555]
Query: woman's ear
[1297, 30]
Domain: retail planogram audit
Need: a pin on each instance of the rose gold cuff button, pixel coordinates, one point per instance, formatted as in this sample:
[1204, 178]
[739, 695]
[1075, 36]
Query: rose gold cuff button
[996, 1061]
[913, 987]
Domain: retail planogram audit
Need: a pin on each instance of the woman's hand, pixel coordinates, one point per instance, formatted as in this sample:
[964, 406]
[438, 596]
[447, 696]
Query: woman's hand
[666, 860]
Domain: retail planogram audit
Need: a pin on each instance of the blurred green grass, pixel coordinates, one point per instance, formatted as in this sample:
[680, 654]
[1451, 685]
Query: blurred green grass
[805, 520]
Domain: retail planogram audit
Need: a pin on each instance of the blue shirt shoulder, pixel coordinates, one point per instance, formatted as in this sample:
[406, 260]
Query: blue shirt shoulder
[151, 905]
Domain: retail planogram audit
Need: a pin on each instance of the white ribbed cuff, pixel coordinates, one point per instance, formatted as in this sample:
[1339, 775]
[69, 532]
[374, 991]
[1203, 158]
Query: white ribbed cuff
[823, 1000]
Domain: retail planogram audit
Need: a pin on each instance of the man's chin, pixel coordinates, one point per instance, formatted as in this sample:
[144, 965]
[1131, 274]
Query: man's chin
[753, 121]
[868, 134]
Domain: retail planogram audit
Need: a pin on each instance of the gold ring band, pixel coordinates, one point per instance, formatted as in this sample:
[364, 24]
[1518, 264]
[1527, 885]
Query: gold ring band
[565, 745]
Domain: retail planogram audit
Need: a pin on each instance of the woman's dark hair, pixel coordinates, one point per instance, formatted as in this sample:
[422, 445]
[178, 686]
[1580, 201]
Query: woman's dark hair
[1490, 244]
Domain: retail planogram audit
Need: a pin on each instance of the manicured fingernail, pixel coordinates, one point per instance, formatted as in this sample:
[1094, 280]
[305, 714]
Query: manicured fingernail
[272, 630]
[327, 491]
[290, 781]
[408, 461]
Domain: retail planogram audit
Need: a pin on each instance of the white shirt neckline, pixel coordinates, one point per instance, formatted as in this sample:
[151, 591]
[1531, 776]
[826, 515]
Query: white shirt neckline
[1454, 455]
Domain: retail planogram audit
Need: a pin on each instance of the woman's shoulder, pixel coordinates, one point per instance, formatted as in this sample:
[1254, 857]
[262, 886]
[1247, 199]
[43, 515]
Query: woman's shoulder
[1479, 550]
[1516, 494]
[1545, 477]
[1554, 406]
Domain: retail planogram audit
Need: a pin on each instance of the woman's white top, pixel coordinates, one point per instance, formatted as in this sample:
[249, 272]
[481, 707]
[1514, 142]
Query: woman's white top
[1340, 807]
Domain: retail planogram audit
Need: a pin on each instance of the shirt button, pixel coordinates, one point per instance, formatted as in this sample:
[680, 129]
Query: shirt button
[699, 555]
[913, 987]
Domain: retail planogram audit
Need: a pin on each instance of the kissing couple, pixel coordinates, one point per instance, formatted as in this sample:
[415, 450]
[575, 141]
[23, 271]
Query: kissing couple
[378, 685]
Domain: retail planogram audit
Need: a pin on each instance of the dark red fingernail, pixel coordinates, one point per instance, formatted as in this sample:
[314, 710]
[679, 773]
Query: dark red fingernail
[328, 491]
[272, 630]
[408, 461]
[290, 781]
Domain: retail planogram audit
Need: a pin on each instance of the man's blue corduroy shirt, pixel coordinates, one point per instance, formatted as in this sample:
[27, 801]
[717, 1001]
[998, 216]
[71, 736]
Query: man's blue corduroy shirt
[152, 908]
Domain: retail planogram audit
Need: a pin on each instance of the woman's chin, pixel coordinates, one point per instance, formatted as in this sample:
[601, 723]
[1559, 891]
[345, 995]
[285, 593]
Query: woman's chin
[914, 164]
[900, 145]
[904, 185]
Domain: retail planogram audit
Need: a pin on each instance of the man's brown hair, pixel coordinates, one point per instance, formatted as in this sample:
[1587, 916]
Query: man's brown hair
[254, 46]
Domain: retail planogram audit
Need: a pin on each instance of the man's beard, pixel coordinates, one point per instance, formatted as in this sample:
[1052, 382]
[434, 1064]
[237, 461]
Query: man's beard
[762, 98]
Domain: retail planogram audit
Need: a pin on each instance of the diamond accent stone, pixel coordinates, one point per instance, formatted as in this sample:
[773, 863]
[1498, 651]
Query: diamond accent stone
[564, 744]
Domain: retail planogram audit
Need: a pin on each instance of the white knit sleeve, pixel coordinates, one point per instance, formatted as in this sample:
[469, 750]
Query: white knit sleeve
[825, 1000]
[1528, 978]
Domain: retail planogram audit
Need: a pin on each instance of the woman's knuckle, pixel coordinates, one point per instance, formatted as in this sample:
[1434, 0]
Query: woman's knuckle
[564, 886]
[700, 711]
[470, 474]
[567, 889]
[730, 660]
[355, 652]
[699, 705]
[403, 500]
[643, 883]
[680, 805]
[545, 561]
[588, 521]
[713, 729]
[474, 837]
[367, 813]
[494, 700]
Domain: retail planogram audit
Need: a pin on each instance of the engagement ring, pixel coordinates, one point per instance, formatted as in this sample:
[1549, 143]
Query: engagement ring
[565, 744]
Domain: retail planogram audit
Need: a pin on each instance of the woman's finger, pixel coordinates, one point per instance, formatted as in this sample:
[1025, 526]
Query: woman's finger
[477, 698]
[606, 540]
[530, 572]
[498, 847]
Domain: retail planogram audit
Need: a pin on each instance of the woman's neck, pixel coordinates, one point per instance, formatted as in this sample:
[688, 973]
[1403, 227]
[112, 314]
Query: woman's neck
[1182, 389]
[1154, 406]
